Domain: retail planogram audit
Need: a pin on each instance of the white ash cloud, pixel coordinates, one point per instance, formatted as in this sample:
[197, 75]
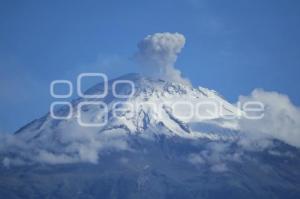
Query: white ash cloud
[158, 53]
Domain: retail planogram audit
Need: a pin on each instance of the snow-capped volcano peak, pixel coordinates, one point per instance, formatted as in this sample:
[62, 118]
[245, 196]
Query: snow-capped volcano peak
[135, 105]
[157, 102]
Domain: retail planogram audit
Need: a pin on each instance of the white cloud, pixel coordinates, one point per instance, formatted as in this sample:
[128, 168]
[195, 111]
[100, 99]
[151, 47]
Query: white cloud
[158, 52]
[70, 143]
[195, 159]
[219, 168]
[216, 155]
[51, 158]
[281, 118]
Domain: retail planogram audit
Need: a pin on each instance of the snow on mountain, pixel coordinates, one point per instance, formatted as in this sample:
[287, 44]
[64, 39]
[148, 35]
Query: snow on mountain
[156, 106]
[149, 113]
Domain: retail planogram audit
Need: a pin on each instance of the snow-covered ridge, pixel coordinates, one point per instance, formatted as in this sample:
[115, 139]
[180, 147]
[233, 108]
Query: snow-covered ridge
[149, 110]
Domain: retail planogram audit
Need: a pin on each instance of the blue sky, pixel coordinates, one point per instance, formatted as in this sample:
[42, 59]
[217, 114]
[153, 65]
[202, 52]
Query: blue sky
[231, 46]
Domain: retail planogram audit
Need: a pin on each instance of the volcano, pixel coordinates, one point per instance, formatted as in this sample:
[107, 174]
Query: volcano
[150, 138]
